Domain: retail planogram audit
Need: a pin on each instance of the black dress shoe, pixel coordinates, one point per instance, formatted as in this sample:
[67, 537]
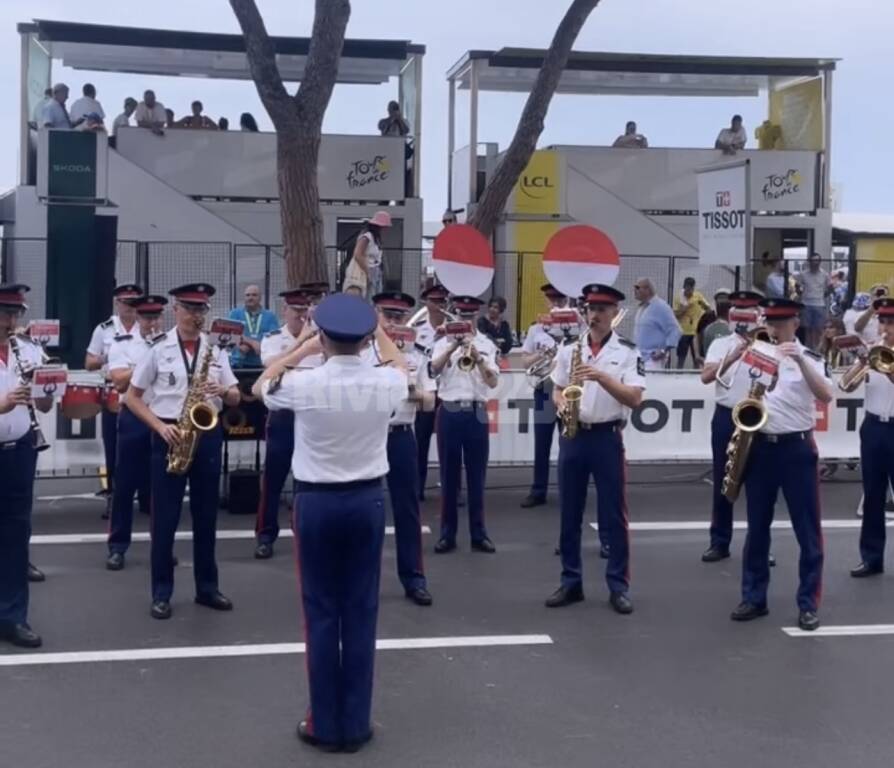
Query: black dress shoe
[808, 621]
[604, 551]
[303, 733]
[565, 596]
[532, 501]
[35, 574]
[215, 600]
[714, 555]
[263, 551]
[115, 562]
[748, 611]
[20, 635]
[420, 596]
[485, 545]
[621, 603]
[161, 609]
[771, 560]
[863, 571]
[443, 546]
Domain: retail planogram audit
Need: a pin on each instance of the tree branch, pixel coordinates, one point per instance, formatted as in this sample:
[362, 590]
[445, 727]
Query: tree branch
[262, 62]
[530, 126]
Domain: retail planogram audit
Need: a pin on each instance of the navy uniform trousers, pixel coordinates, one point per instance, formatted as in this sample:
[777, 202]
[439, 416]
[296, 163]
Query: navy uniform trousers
[404, 493]
[339, 533]
[18, 461]
[425, 428]
[463, 438]
[110, 444]
[790, 464]
[596, 453]
[277, 464]
[722, 429]
[132, 477]
[167, 500]
[544, 427]
[877, 463]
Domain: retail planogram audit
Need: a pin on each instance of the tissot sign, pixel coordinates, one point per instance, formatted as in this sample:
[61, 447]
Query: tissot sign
[724, 221]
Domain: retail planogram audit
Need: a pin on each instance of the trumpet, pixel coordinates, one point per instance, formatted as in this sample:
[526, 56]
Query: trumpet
[541, 369]
[878, 358]
[466, 362]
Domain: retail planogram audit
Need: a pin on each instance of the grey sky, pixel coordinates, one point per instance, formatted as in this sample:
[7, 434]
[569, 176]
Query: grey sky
[857, 32]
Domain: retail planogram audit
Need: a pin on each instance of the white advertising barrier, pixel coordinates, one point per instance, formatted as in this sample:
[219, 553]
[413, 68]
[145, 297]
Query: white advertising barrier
[672, 425]
[724, 219]
[234, 164]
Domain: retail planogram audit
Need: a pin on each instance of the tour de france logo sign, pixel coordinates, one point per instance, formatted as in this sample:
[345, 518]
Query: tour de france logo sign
[363, 173]
[781, 185]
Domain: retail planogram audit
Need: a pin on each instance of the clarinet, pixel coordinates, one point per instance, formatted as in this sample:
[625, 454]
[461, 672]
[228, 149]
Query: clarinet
[38, 441]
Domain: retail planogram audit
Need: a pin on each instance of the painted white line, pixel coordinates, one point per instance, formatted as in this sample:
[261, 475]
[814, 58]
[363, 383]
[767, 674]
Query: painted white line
[101, 538]
[739, 525]
[68, 496]
[843, 630]
[268, 649]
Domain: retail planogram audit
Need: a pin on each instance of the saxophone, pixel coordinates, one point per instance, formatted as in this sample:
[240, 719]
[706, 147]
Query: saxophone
[572, 395]
[198, 416]
[749, 416]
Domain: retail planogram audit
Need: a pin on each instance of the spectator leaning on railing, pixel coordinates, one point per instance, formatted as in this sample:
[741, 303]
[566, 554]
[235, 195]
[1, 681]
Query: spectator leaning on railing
[55, 115]
[151, 114]
[87, 113]
[123, 120]
[197, 120]
[732, 139]
[656, 330]
[631, 139]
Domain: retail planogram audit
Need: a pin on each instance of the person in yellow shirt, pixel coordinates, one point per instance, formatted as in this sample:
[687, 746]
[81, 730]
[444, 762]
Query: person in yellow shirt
[689, 307]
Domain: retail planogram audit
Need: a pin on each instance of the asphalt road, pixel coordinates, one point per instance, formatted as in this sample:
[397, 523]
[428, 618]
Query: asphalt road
[675, 684]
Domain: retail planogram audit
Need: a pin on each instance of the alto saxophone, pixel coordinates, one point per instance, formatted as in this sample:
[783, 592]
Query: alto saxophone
[197, 416]
[749, 416]
[572, 395]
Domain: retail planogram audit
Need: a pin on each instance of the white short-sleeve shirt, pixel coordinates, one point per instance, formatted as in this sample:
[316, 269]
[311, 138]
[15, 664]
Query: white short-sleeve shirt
[17, 422]
[103, 336]
[164, 370]
[156, 114]
[453, 384]
[879, 395]
[127, 351]
[791, 406]
[617, 357]
[735, 375]
[86, 106]
[417, 376]
[342, 412]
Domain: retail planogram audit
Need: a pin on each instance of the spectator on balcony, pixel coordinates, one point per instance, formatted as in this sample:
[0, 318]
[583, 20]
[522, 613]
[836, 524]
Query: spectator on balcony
[223, 124]
[247, 123]
[258, 323]
[170, 121]
[732, 139]
[656, 330]
[449, 218]
[197, 119]
[689, 307]
[495, 327]
[123, 120]
[365, 268]
[813, 288]
[37, 114]
[87, 113]
[631, 139]
[55, 115]
[151, 114]
[394, 124]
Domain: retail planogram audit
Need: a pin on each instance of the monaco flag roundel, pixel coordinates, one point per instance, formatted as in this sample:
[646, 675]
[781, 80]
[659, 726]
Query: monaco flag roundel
[463, 260]
[579, 255]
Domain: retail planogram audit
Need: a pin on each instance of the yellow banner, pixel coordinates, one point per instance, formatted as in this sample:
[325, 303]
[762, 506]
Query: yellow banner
[798, 111]
[538, 192]
[875, 263]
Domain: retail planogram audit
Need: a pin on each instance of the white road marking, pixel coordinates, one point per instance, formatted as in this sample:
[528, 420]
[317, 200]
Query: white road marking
[267, 649]
[843, 630]
[102, 538]
[66, 497]
[739, 525]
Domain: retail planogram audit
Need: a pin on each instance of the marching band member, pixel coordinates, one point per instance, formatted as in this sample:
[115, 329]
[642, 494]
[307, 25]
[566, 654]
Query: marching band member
[726, 351]
[462, 424]
[280, 437]
[877, 452]
[134, 440]
[393, 309]
[784, 456]
[168, 370]
[121, 323]
[612, 375]
[435, 298]
[539, 341]
[342, 411]
[18, 464]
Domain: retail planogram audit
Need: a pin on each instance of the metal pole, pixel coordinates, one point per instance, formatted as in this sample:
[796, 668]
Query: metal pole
[417, 128]
[451, 138]
[738, 280]
[267, 276]
[826, 194]
[24, 131]
[473, 134]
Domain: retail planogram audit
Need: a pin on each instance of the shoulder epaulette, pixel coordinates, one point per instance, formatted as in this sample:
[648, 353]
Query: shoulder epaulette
[626, 342]
[814, 355]
[420, 348]
[123, 337]
[155, 339]
[107, 324]
[274, 333]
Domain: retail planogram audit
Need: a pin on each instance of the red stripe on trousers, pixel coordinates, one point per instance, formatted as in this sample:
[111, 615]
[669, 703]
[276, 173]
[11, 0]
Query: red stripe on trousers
[818, 595]
[309, 718]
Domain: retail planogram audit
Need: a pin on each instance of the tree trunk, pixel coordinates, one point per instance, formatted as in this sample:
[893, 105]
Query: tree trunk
[298, 121]
[493, 201]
